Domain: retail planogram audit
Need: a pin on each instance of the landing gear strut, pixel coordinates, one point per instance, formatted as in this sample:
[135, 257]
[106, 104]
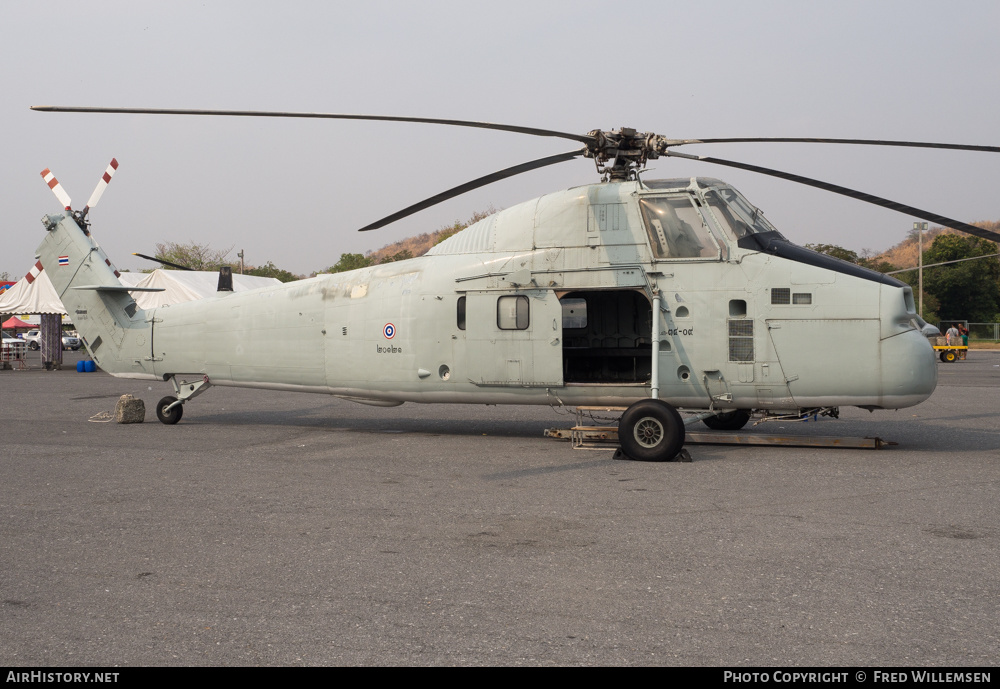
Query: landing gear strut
[169, 410]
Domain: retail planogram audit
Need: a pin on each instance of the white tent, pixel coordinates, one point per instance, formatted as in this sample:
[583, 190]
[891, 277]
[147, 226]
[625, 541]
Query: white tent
[39, 296]
[186, 285]
[32, 296]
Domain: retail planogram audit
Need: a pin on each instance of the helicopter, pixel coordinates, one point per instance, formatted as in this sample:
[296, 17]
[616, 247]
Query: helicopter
[652, 296]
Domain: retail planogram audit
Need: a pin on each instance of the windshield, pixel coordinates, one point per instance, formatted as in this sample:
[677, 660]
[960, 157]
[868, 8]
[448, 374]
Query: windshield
[737, 216]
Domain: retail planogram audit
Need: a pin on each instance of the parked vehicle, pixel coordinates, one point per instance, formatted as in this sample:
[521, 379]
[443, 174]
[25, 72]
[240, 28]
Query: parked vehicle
[33, 338]
[11, 349]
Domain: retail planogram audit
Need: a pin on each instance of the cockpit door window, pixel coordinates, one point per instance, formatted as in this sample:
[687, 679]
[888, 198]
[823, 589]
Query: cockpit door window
[676, 228]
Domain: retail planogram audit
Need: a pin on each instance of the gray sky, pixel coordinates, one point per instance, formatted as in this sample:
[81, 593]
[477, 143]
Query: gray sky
[295, 191]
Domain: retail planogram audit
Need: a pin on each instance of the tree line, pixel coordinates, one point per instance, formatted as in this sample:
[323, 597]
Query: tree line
[962, 291]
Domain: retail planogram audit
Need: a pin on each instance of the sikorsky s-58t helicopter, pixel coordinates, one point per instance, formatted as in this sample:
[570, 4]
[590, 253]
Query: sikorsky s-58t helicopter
[657, 295]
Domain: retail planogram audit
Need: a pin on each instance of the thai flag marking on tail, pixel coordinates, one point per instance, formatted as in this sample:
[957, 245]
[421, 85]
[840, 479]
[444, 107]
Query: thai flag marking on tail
[64, 260]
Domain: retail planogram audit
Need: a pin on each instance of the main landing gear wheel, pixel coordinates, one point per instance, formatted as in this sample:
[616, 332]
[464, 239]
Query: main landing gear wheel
[651, 431]
[169, 417]
[728, 421]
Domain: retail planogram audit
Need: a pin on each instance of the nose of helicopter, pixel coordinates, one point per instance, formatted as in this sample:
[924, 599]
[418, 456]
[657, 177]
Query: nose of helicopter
[909, 370]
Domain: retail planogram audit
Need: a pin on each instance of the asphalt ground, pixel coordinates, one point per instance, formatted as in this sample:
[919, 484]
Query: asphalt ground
[282, 529]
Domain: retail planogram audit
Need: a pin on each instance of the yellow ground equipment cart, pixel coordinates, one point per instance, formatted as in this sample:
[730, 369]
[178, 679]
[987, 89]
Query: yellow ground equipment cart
[946, 352]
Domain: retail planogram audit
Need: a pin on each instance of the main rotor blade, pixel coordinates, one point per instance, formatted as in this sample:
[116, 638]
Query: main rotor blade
[854, 194]
[533, 131]
[474, 184]
[862, 142]
[160, 260]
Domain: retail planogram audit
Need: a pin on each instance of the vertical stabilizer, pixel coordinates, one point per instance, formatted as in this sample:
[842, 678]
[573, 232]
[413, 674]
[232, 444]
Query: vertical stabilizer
[114, 329]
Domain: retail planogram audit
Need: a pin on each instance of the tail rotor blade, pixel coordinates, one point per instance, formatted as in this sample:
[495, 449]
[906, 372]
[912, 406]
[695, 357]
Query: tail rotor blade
[102, 185]
[56, 188]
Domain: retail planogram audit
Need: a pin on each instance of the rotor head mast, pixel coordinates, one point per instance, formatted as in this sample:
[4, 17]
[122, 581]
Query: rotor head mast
[620, 153]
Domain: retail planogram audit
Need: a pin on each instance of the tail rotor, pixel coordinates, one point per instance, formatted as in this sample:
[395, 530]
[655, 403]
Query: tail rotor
[64, 199]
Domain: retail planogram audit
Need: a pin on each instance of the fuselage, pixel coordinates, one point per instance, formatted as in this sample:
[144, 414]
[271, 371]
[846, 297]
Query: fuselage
[548, 302]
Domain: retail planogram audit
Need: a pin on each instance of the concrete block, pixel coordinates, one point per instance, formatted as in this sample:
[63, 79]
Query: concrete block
[130, 410]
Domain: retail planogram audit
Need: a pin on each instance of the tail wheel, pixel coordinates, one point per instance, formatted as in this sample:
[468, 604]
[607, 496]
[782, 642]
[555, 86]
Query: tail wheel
[169, 417]
[651, 431]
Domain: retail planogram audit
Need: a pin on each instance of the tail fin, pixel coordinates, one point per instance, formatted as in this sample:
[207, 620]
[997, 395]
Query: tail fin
[117, 333]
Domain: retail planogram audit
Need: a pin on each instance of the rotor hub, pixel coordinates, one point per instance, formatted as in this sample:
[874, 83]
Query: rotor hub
[620, 153]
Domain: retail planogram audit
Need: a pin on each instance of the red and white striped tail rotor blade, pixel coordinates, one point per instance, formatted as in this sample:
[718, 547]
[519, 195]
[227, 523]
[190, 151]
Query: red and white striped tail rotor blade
[103, 184]
[56, 188]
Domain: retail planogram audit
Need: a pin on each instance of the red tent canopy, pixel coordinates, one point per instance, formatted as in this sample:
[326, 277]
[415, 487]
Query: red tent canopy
[15, 322]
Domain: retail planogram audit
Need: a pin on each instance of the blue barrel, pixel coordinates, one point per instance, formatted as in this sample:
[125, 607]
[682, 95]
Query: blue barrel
[89, 366]
[80, 367]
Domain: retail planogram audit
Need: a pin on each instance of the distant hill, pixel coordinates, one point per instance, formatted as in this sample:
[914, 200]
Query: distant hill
[422, 243]
[417, 246]
[904, 254]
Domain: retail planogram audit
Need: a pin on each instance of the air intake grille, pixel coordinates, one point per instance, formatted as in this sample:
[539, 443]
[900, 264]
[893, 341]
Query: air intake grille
[741, 340]
[781, 295]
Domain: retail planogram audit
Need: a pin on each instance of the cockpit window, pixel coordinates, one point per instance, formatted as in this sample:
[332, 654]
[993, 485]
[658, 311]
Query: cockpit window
[735, 214]
[676, 228]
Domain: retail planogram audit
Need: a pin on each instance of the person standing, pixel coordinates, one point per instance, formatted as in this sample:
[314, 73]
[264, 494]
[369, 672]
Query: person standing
[964, 334]
[951, 337]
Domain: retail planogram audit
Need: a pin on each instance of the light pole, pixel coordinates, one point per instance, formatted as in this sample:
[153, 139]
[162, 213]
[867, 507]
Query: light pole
[920, 227]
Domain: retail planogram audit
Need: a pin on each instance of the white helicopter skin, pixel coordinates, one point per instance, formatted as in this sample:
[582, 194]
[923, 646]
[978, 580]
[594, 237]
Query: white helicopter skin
[554, 301]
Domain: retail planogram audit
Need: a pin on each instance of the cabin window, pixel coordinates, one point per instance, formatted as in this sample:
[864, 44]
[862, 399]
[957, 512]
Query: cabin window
[574, 313]
[512, 313]
[676, 228]
[741, 340]
[461, 313]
